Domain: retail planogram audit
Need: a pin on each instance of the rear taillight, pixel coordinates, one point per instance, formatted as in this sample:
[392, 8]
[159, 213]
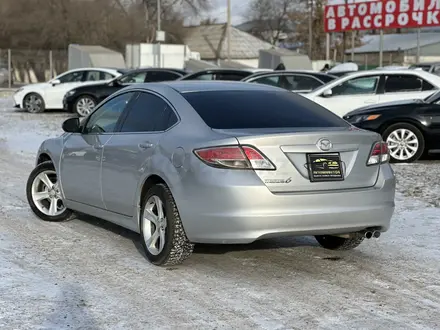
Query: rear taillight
[379, 154]
[238, 157]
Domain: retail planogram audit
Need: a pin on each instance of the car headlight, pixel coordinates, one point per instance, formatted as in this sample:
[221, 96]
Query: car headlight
[19, 90]
[70, 93]
[357, 119]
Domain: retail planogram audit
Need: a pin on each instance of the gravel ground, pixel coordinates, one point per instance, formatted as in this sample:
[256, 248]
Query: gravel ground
[89, 274]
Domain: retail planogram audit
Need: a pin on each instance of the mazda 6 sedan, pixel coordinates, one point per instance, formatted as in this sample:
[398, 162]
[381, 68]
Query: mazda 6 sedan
[216, 162]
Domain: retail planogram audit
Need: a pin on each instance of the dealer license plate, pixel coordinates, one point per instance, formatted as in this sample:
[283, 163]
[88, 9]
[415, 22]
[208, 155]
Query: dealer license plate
[324, 167]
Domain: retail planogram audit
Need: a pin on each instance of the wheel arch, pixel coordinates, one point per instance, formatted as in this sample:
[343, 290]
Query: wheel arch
[410, 121]
[44, 157]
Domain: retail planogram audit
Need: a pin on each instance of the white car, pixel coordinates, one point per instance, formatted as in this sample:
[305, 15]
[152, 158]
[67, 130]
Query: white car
[362, 88]
[49, 95]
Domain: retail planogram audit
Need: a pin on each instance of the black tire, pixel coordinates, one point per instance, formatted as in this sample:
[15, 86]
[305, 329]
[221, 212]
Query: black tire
[414, 130]
[177, 247]
[64, 216]
[34, 109]
[80, 98]
[339, 243]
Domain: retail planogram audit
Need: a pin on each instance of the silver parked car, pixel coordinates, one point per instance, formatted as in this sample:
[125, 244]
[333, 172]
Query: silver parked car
[216, 162]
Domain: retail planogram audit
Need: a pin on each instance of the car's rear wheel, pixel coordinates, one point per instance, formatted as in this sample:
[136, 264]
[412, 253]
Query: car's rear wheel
[339, 243]
[34, 103]
[162, 234]
[44, 194]
[84, 105]
[405, 142]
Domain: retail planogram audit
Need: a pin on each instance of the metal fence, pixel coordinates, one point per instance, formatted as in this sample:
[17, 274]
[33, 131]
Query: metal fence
[24, 66]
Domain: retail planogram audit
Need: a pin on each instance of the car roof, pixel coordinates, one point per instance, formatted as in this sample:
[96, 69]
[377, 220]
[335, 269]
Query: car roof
[431, 78]
[308, 72]
[189, 86]
[181, 71]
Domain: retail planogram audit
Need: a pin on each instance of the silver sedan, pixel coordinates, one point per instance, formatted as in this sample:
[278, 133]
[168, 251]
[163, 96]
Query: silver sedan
[216, 162]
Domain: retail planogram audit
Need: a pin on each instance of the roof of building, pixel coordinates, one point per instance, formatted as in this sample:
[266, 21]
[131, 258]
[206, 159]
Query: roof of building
[233, 65]
[395, 42]
[193, 65]
[288, 26]
[211, 42]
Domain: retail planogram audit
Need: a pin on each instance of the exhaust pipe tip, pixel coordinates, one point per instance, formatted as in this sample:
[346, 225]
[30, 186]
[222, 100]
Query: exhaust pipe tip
[376, 234]
[368, 234]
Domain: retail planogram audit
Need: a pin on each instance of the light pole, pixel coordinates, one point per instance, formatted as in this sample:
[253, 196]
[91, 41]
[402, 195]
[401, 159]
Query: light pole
[228, 29]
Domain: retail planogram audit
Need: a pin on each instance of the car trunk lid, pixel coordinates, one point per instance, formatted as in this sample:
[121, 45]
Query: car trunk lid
[288, 150]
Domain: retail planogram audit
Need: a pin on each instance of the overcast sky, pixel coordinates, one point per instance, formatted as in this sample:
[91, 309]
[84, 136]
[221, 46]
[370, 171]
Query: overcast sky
[238, 10]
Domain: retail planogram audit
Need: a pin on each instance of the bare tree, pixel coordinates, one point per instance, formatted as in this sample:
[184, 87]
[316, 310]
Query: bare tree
[54, 24]
[270, 18]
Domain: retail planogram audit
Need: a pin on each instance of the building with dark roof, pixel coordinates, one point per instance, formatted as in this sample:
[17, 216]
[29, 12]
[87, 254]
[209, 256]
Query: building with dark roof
[211, 42]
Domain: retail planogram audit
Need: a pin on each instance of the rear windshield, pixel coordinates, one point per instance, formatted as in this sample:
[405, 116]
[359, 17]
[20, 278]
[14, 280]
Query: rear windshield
[260, 109]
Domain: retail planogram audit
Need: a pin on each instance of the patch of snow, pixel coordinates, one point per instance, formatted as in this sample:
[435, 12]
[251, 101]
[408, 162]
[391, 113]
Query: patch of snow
[90, 274]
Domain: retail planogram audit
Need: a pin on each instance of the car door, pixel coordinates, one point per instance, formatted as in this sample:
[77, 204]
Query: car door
[351, 94]
[80, 166]
[54, 93]
[405, 87]
[127, 156]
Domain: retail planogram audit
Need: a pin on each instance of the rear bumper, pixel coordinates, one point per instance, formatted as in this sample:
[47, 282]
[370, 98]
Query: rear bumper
[227, 214]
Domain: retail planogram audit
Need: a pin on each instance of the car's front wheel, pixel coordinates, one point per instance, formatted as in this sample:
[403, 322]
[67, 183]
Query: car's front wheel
[84, 105]
[405, 142]
[162, 234]
[339, 243]
[44, 194]
[34, 103]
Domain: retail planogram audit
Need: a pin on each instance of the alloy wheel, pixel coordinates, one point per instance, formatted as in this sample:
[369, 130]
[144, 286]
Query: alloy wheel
[154, 225]
[46, 194]
[33, 103]
[85, 106]
[403, 144]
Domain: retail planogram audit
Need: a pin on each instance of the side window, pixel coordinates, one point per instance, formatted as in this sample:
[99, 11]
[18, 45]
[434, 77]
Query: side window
[105, 118]
[402, 83]
[149, 113]
[303, 83]
[357, 86]
[72, 77]
[97, 75]
[206, 76]
[231, 76]
[157, 76]
[132, 78]
[271, 81]
[426, 86]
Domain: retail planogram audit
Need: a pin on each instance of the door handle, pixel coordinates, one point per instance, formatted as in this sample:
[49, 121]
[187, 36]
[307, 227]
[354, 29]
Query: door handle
[146, 145]
[369, 101]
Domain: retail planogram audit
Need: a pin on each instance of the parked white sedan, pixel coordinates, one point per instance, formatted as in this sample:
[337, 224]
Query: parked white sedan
[49, 95]
[362, 88]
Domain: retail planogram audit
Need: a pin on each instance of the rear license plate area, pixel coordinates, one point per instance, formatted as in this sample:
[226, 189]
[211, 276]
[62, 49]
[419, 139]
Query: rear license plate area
[324, 167]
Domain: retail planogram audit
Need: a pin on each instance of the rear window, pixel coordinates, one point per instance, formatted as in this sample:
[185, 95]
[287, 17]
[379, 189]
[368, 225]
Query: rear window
[260, 109]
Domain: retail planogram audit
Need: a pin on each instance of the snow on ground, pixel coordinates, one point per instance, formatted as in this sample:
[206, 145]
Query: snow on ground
[89, 274]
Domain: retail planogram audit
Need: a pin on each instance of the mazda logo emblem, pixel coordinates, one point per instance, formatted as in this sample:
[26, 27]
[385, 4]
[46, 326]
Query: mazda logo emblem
[324, 144]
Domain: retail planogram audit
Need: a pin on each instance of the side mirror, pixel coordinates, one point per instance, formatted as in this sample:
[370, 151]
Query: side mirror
[55, 82]
[327, 93]
[71, 125]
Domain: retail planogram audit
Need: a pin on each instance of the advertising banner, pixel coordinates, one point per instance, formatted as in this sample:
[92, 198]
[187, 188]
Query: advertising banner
[382, 14]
